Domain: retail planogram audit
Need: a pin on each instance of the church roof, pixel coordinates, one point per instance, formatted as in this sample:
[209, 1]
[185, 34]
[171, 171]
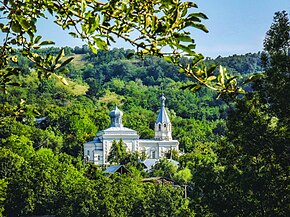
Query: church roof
[159, 142]
[118, 132]
[116, 112]
[119, 168]
[162, 116]
[118, 129]
[149, 163]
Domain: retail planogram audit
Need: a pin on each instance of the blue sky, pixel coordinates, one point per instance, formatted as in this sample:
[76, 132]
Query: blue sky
[236, 26]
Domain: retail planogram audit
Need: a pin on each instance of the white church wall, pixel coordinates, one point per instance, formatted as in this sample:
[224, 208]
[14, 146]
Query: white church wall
[154, 148]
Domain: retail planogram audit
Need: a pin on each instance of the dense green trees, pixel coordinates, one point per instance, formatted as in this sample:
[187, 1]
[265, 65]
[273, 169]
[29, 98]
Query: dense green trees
[274, 90]
[245, 173]
[66, 121]
[3, 186]
[256, 155]
[239, 64]
[117, 152]
[66, 117]
[38, 178]
[45, 183]
[164, 168]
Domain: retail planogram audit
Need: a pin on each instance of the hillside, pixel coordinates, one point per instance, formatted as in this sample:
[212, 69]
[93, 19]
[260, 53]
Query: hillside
[97, 82]
[215, 149]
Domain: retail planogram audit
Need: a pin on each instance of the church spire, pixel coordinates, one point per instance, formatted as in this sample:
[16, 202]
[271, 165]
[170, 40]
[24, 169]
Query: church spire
[163, 124]
[162, 116]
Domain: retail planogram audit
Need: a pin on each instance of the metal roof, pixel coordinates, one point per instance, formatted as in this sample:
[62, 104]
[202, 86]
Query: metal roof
[117, 168]
[116, 117]
[162, 116]
[112, 169]
[116, 112]
[149, 163]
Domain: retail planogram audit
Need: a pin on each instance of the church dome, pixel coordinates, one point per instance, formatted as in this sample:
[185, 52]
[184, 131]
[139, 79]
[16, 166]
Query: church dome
[116, 117]
[116, 113]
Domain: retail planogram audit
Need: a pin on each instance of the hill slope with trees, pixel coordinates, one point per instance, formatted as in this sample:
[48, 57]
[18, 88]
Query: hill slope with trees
[235, 160]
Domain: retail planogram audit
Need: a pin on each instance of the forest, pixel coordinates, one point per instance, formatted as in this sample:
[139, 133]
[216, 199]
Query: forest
[235, 146]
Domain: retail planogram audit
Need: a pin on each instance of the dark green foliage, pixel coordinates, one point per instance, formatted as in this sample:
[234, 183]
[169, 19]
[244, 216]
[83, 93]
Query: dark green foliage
[53, 119]
[277, 38]
[3, 187]
[257, 162]
[43, 124]
[117, 152]
[256, 154]
[239, 64]
[164, 168]
[46, 183]
[274, 89]
[73, 114]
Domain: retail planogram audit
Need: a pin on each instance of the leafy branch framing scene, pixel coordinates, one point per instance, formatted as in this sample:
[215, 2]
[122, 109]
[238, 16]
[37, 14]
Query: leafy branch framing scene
[161, 28]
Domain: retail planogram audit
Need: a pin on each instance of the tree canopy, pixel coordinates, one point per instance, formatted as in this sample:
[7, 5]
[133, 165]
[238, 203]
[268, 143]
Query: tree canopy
[256, 178]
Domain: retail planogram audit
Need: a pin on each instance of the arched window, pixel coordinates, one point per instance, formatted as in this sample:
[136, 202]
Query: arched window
[152, 153]
[164, 125]
[159, 127]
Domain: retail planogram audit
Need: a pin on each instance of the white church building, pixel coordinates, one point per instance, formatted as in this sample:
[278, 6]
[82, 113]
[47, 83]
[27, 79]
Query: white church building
[97, 151]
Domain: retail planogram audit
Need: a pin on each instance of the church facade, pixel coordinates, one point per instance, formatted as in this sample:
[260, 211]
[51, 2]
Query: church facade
[97, 151]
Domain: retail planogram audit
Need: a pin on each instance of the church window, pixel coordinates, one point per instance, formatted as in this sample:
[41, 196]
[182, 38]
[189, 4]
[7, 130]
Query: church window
[159, 127]
[153, 153]
[164, 125]
[88, 152]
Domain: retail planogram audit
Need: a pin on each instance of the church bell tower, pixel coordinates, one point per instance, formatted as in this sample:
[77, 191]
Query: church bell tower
[163, 124]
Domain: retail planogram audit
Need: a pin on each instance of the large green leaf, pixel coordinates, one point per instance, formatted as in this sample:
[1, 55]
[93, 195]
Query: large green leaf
[48, 42]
